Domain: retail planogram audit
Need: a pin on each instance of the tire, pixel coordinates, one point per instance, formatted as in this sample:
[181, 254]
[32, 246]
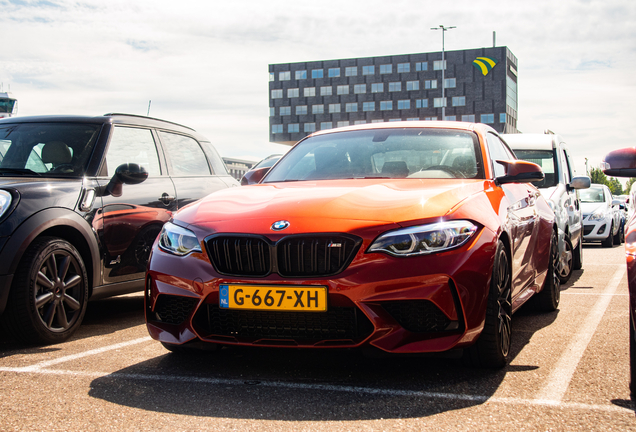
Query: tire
[610, 239]
[492, 349]
[619, 234]
[577, 256]
[49, 294]
[549, 297]
[632, 357]
[565, 269]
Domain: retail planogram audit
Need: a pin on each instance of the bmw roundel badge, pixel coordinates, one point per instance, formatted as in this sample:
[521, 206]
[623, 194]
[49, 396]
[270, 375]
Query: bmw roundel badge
[279, 225]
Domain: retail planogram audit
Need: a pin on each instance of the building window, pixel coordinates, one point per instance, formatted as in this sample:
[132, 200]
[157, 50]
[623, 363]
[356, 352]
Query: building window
[334, 108]
[317, 73]
[430, 118]
[342, 124]
[368, 106]
[284, 76]
[272, 76]
[404, 67]
[310, 127]
[351, 107]
[357, 122]
[393, 120]
[284, 111]
[334, 72]
[351, 71]
[368, 70]
[459, 101]
[278, 128]
[487, 118]
[430, 84]
[325, 91]
[317, 109]
[325, 125]
[386, 69]
[502, 117]
[360, 88]
[301, 110]
[450, 83]
[301, 75]
[377, 88]
[395, 86]
[293, 128]
[412, 85]
[277, 94]
[292, 93]
[386, 105]
[413, 119]
[377, 121]
[439, 102]
[451, 118]
[468, 118]
[421, 66]
[404, 104]
[437, 65]
[272, 111]
[421, 103]
[309, 91]
[342, 90]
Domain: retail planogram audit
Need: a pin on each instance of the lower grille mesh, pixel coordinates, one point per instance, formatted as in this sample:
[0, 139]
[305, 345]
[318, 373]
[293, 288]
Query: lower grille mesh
[174, 309]
[418, 316]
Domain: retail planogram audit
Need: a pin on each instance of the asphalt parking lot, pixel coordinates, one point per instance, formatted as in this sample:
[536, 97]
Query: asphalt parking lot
[570, 371]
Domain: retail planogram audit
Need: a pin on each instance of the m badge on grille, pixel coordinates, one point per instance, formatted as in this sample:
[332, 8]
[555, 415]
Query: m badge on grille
[279, 225]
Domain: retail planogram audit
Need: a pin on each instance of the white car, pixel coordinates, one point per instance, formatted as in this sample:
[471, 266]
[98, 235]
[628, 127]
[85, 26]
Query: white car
[559, 188]
[601, 216]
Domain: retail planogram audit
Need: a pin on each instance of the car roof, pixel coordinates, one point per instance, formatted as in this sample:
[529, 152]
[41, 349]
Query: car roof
[532, 141]
[411, 124]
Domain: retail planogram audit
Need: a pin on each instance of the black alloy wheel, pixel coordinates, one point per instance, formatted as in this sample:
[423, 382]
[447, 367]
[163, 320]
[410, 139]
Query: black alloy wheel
[49, 294]
[565, 263]
[492, 349]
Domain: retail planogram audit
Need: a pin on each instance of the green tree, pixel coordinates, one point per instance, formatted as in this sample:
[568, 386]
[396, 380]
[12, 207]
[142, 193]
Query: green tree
[615, 186]
[597, 176]
[628, 185]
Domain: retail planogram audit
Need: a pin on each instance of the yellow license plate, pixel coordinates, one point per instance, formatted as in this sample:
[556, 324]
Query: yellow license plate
[278, 298]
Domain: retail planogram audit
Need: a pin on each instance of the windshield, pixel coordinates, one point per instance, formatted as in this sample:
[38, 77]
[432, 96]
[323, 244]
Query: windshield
[7, 105]
[382, 153]
[592, 195]
[49, 149]
[545, 159]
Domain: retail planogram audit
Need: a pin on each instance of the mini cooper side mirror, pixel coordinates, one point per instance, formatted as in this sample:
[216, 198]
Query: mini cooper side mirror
[620, 163]
[128, 173]
[519, 171]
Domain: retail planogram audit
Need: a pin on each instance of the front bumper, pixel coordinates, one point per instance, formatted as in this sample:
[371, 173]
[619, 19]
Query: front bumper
[596, 230]
[427, 303]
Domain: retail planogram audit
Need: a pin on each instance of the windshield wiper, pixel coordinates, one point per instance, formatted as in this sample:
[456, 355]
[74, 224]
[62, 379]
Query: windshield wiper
[22, 171]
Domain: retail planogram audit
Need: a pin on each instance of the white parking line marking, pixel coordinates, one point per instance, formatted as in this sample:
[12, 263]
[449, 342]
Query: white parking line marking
[479, 399]
[559, 380]
[71, 357]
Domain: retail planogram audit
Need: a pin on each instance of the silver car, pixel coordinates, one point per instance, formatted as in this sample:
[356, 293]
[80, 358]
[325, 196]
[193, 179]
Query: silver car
[602, 216]
[559, 188]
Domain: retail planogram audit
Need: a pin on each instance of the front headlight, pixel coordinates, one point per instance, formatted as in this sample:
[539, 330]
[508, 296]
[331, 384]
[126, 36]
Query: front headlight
[177, 240]
[425, 239]
[597, 216]
[5, 202]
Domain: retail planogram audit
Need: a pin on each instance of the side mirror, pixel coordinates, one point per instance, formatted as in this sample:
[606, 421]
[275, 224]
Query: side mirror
[616, 202]
[519, 171]
[620, 163]
[254, 176]
[128, 173]
[582, 182]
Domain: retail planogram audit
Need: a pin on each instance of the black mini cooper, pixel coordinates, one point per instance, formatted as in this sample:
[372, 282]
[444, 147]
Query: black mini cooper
[82, 200]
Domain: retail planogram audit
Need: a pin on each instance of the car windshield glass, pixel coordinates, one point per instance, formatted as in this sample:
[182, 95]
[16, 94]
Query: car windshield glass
[592, 195]
[545, 159]
[382, 153]
[47, 149]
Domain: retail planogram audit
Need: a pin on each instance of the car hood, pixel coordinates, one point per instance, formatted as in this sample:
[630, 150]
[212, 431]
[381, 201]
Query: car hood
[589, 208]
[327, 205]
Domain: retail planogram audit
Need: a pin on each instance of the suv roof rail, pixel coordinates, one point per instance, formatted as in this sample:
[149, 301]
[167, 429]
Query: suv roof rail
[146, 117]
[548, 132]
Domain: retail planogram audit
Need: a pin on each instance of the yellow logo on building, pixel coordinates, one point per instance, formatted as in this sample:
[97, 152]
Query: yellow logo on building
[484, 64]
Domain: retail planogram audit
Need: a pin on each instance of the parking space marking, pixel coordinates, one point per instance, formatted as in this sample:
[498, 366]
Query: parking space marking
[559, 380]
[460, 397]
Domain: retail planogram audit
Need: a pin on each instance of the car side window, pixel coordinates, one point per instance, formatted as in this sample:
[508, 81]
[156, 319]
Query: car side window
[567, 167]
[498, 151]
[132, 145]
[186, 158]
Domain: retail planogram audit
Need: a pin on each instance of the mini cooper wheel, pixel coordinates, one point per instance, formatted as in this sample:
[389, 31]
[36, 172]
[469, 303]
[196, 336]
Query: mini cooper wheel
[549, 297]
[566, 261]
[492, 349]
[49, 294]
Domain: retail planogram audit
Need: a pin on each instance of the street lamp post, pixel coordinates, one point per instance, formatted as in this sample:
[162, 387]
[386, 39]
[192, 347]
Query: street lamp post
[443, 29]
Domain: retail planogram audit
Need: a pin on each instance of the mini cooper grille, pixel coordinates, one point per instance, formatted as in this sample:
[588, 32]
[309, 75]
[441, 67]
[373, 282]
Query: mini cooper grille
[174, 309]
[338, 323]
[295, 256]
[418, 316]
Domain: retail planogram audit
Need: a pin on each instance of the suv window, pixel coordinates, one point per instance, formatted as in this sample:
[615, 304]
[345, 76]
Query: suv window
[132, 145]
[546, 160]
[185, 155]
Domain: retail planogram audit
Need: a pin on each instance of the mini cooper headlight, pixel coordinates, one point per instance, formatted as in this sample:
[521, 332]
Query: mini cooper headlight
[597, 216]
[178, 240]
[425, 239]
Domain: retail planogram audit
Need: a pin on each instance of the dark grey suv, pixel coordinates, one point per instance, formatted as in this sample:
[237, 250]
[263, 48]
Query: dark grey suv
[82, 200]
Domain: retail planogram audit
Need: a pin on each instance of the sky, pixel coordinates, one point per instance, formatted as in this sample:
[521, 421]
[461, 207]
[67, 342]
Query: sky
[205, 63]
